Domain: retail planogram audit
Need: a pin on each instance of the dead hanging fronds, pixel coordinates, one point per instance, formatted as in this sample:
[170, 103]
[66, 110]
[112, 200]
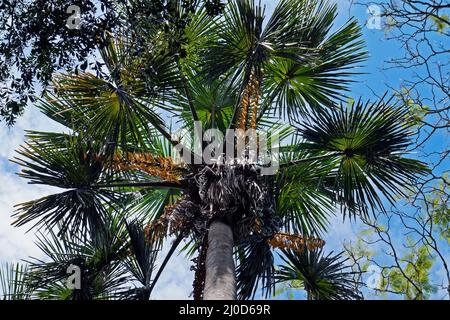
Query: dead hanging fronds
[295, 242]
[235, 192]
[157, 166]
[161, 228]
[249, 104]
[156, 231]
[181, 216]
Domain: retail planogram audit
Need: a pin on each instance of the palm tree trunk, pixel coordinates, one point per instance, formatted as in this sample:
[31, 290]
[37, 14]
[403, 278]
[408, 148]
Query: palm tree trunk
[220, 281]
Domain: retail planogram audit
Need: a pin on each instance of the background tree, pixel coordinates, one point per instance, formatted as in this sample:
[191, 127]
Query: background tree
[39, 38]
[420, 30]
[409, 268]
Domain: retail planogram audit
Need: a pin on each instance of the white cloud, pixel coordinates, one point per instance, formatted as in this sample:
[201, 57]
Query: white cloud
[11, 138]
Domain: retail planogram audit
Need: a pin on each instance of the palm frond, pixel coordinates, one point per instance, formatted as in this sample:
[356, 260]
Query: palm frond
[148, 71]
[255, 270]
[293, 88]
[303, 204]
[111, 114]
[369, 142]
[99, 260]
[324, 277]
[213, 102]
[233, 47]
[141, 263]
[75, 167]
[13, 285]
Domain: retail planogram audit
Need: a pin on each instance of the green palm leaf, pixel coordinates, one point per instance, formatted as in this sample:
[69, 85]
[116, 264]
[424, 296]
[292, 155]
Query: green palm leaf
[142, 263]
[213, 104]
[303, 205]
[72, 164]
[99, 259]
[13, 285]
[117, 116]
[369, 142]
[256, 269]
[323, 277]
[296, 87]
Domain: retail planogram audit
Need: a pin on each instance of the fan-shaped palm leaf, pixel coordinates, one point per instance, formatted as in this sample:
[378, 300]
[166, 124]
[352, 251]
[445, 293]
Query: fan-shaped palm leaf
[299, 62]
[256, 268]
[368, 143]
[323, 277]
[74, 166]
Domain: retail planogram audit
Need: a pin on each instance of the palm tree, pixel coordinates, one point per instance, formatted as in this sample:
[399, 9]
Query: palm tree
[118, 163]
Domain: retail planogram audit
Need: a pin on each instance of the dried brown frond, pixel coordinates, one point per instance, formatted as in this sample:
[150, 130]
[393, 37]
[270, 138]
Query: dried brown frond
[168, 224]
[159, 229]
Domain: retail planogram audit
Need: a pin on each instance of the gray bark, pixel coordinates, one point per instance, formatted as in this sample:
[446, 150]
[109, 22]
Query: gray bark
[220, 281]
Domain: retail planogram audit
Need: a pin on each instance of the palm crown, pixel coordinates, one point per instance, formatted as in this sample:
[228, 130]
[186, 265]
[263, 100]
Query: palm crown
[125, 189]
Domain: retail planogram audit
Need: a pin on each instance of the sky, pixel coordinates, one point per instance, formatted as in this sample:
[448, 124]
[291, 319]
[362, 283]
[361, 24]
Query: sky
[176, 281]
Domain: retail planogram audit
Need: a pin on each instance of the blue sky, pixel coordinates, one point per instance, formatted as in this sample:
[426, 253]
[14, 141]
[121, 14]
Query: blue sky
[176, 282]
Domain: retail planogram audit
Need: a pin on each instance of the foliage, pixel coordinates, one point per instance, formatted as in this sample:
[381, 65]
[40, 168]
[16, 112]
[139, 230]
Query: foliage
[128, 183]
[323, 277]
[417, 269]
[38, 40]
[390, 268]
[13, 285]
